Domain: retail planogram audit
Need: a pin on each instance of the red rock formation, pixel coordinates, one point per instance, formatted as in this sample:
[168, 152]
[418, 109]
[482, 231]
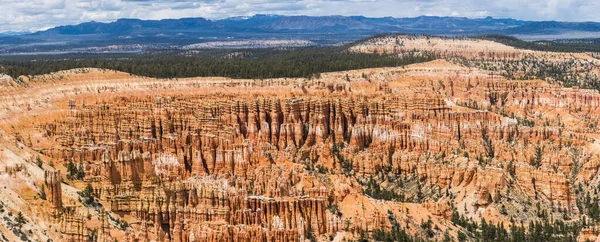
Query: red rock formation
[72, 226]
[52, 184]
[243, 160]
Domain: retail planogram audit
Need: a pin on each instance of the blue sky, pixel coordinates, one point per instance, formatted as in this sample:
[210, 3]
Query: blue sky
[28, 15]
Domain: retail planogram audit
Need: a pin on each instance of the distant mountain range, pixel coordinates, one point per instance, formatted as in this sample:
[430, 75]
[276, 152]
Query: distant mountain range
[13, 33]
[136, 34]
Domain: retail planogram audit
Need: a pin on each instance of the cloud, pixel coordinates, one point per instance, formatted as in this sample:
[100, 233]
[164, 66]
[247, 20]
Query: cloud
[19, 15]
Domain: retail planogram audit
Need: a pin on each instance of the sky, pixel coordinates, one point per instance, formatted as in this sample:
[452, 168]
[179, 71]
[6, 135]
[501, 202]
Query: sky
[32, 15]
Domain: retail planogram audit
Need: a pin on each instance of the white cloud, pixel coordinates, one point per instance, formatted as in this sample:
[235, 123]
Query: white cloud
[19, 15]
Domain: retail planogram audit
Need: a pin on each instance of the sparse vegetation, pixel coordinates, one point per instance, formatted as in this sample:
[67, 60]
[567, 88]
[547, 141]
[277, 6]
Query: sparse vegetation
[75, 172]
[38, 161]
[42, 192]
[87, 195]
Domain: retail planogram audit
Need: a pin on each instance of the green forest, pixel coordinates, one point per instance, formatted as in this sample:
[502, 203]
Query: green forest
[234, 63]
[251, 63]
[575, 45]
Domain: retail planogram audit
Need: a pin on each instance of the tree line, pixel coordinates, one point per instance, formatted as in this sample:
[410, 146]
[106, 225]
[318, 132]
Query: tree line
[234, 63]
[581, 45]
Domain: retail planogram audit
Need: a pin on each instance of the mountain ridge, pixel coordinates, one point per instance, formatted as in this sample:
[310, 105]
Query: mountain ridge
[299, 22]
[321, 30]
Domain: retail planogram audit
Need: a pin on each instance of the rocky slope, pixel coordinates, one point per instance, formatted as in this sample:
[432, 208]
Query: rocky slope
[98, 155]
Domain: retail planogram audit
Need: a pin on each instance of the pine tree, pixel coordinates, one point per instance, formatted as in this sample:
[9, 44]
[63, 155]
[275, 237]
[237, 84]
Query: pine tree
[43, 192]
[20, 219]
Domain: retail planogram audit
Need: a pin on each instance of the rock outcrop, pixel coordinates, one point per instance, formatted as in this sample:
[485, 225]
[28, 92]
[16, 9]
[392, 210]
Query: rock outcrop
[213, 159]
[53, 187]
